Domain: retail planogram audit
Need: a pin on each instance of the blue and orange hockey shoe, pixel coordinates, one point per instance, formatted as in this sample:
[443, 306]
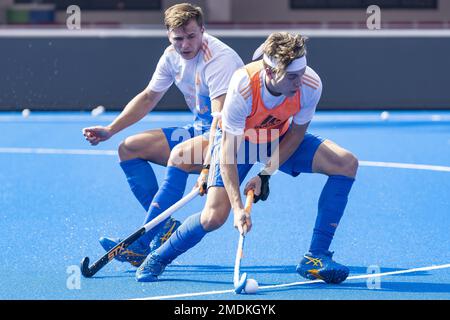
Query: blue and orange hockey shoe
[322, 266]
[135, 253]
[164, 233]
[151, 268]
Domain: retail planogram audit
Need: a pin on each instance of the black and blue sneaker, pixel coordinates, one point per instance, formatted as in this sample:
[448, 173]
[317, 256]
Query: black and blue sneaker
[151, 268]
[135, 253]
[322, 266]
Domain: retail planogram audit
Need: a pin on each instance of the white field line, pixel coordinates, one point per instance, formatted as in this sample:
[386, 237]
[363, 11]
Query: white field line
[88, 118]
[58, 151]
[292, 284]
[114, 153]
[404, 166]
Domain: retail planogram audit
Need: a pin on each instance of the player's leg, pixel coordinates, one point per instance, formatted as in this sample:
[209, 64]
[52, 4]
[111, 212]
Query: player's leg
[135, 153]
[340, 166]
[193, 229]
[185, 158]
[332, 159]
[323, 156]
[190, 233]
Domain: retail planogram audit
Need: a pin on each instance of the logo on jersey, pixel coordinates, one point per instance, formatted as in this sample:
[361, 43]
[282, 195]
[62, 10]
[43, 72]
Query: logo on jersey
[269, 122]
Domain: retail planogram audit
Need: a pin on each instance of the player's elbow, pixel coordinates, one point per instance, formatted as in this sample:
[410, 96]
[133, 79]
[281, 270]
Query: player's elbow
[149, 99]
[145, 97]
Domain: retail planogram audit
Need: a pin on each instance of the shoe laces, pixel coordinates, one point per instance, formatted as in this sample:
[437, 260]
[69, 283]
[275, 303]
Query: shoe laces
[169, 232]
[317, 262]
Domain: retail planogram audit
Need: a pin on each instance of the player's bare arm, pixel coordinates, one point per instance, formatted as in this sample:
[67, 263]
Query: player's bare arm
[228, 167]
[135, 110]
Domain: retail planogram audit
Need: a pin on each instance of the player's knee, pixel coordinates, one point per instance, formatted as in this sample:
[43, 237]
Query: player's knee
[180, 158]
[213, 219]
[349, 164]
[125, 151]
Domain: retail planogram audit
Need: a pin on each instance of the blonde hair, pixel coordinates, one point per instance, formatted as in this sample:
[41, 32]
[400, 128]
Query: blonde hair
[285, 48]
[180, 14]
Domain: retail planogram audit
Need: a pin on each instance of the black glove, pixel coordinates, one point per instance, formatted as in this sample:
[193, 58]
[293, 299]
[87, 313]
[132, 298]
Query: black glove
[204, 187]
[264, 187]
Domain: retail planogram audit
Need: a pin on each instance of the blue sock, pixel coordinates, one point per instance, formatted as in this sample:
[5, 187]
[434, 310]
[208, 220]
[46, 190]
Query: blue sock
[142, 180]
[332, 202]
[171, 190]
[187, 235]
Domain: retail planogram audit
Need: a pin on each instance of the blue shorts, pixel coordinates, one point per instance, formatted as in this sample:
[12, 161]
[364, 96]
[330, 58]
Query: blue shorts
[177, 135]
[300, 161]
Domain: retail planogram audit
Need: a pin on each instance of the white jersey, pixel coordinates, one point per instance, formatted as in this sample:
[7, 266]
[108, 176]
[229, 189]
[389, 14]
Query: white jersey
[238, 103]
[200, 79]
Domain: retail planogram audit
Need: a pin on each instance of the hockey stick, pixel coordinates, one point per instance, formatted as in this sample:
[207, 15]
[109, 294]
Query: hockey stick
[239, 282]
[89, 271]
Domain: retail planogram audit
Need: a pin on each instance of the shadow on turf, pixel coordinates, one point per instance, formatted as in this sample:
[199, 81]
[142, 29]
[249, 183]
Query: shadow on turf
[182, 272]
[277, 269]
[229, 269]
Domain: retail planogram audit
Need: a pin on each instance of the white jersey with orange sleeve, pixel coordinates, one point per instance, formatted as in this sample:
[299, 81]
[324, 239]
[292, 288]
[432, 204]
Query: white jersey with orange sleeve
[200, 79]
[238, 103]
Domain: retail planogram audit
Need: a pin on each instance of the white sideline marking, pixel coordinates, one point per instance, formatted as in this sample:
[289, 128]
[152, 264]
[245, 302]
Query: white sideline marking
[89, 118]
[59, 151]
[363, 276]
[404, 166]
[114, 153]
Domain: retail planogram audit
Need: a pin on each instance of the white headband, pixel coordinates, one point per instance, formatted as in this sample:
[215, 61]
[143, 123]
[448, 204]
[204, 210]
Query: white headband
[294, 66]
